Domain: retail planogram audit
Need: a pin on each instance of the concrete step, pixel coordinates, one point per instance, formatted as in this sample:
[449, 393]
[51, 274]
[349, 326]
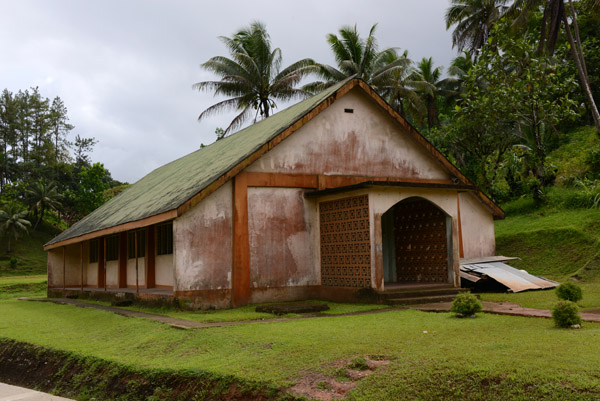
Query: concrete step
[420, 300]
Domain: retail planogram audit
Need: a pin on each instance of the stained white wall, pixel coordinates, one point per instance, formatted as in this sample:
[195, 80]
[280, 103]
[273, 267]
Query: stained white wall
[477, 227]
[203, 243]
[365, 143]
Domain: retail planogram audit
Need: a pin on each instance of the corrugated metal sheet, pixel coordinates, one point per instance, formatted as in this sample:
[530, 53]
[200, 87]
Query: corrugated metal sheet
[514, 279]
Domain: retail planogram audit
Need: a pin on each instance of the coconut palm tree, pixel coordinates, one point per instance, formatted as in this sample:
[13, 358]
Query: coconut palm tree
[474, 20]
[555, 14]
[431, 87]
[252, 77]
[13, 222]
[43, 196]
[356, 56]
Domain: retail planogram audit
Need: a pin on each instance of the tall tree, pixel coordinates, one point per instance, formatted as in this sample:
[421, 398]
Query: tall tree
[474, 20]
[13, 222]
[555, 14]
[431, 86]
[43, 196]
[252, 77]
[361, 57]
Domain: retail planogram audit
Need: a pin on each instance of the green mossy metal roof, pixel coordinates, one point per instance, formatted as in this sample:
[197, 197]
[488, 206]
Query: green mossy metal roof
[171, 185]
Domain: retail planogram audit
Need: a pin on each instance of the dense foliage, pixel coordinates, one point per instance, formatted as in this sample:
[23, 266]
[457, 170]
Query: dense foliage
[566, 314]
[466, 304]
[41, 171]
[569, 291]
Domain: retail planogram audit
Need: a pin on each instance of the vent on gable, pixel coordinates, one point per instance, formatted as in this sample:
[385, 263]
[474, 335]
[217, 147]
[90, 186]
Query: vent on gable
[348, 110]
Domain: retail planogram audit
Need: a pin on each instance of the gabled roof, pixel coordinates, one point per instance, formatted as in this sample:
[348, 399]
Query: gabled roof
[172, 189]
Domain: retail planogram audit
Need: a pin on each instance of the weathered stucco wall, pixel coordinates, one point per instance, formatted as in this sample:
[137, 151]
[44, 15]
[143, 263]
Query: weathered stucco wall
[72, 266]
[365, 143]
[280, 228]
[92, 274]
[131, 272]
[164, 270]
[202, 244]
[477, 227]
[112, 273]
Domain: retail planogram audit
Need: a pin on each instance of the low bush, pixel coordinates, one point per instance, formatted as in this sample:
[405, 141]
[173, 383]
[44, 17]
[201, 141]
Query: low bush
[566, 314]
[466, 304]
[569, 291]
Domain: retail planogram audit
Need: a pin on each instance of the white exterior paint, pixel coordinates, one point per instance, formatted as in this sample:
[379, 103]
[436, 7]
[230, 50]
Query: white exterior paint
[163, 270]
[131, 272]
[202, 243]
[365, 143]
[477, 227]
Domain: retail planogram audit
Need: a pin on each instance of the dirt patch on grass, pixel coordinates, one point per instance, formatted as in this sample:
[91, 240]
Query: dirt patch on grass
[75, 376]
[347, 372]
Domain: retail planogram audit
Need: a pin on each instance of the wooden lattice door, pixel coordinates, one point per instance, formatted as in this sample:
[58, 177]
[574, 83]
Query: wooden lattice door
[421, 242]
[345, 242]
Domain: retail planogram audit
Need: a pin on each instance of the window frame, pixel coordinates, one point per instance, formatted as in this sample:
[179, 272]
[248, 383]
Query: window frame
[164, 239]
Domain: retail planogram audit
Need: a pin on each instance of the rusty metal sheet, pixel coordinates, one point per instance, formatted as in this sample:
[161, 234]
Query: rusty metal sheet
[514, 279]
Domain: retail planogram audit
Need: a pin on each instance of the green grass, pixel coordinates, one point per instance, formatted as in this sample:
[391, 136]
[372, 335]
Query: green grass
[570, 157]
[32, 259]
[546, 299]
[243, 313]
[23, 286]
[524, 355]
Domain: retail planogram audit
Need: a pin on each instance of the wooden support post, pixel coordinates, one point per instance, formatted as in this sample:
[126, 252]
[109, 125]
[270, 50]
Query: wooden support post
[460, 240]
[241, 243]
[137, 283]
[104, 259]
[122, 275]
[81, 262]
[151, 259]
[64, 268]
[100, 259]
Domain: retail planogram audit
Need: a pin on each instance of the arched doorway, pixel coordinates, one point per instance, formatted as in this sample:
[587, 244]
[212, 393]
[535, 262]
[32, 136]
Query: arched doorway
[417, 243]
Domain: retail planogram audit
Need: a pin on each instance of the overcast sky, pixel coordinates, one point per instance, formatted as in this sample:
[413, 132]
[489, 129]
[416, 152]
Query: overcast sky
[125, 68]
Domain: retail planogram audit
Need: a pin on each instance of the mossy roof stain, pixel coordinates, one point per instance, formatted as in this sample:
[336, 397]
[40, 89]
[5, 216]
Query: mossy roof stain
[171, 185]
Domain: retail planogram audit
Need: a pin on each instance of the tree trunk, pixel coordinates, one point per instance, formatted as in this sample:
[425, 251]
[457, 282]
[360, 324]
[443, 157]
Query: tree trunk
[577, 54]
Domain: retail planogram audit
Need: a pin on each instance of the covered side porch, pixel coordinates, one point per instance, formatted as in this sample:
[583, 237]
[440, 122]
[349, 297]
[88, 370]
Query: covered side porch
[400, 243]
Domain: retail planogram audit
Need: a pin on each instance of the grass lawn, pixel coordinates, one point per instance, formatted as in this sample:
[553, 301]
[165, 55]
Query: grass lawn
[506, 356]
[23, 286]
[31, 258]
[243, 313]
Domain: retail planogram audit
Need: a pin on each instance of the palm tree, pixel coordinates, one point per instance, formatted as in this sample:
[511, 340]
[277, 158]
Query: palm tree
[400, 90]
[474, 20]
[359, 57]
[43, 196]
[555, 14]
[431, 87]
[13, 222]
[252, 76]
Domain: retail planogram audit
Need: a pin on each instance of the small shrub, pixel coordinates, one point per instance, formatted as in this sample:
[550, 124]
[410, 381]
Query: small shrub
[569, 291]
[13, 262]
[359, 363]
[323, 385]
[566, 314]
[466, 304]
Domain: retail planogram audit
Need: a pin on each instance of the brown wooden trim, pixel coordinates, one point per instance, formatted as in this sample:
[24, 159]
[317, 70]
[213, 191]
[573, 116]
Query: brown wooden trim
[164, 287]
[150, 257]
[122, 281]
[81, 262]
[104, 260]
[64, 267]
[159, 218]
[280, 180]
[101, 278]
[137, 274]
[241, 243]
[461, 252]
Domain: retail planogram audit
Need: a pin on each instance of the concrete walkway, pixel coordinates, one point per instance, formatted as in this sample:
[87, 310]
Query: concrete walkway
[507, 308]
[14, 393]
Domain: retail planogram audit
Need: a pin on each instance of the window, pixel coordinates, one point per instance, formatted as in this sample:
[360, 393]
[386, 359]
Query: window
[112, 248]
[94, 251]
[141, 244]
[164, 239]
